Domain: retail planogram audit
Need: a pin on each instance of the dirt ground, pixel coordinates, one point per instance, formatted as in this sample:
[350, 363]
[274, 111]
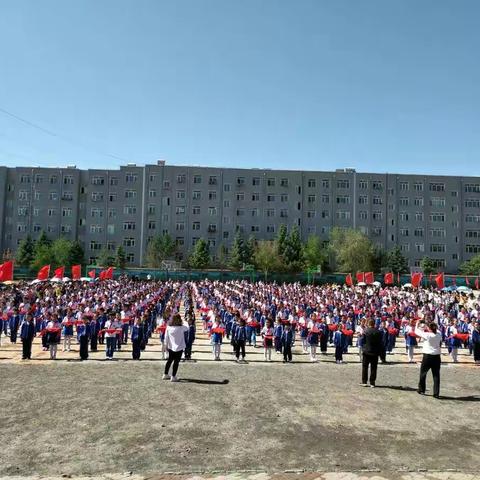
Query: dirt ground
[96, 417]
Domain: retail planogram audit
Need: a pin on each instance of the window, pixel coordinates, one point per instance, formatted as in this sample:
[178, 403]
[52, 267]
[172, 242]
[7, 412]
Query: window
[22, 211]
[98, 180]
[418, 201]
[51, 228]
[377, 215]
[283, 213]
[151, 210]
[436, 187]
[110, 230]
[37, 228]
[270, 182]
[196, 226]
[404, 201]
[255, 197]
[226, 187]
[343, 199]
[325, 214]
[36, 195]
[53, 179]
[130, 177]
[166, 184]
[419, 247]
[180, 210]
[437, 248]
[377, 200]
[112, 213]
[53, 196]
[270, 228]
[212, 228]
[94, 245]
[312, 183]
[181, 178]
[472, 203]
[472, 248]
[471, 218]
[51, 212]
[240, 212]
[363, 215]
[180, 226]
[472, 188]
[96, 213]
[66, 212]
[270, 212]
[152, 178]
[36, 211]
[363, 184]
[152, 193]
[226, 220]
[376, 232]
[67, 196]
[437, 202]
[363, 200]
[419, 216]
[152, 225]
[438, 232]
[196, 195]
[130, 194]
[403, 216]
[197, 179]
[418, 186]
[129, 225]
[255, 228]
[403, 186]
[472, 234]
[240, 181]
[212, 211]
[96, 229]
[343, 215]
[270, 198]
[196, 210]
[343, 183]
[130, 210]
[437, 217]
[284, 182]
[325, 183]
[212, 180]
[113, 181]
[24, 178]
[226, 204]
[418, 232]
[240, 197]
[284, 197]
[325, 198]
[404, 232]
[405, 247]
[454, 193]
[112, 197]
[255, 212]
[377, 185]
[180, 194]
[311, 198]
[68, 180]
[130, 257]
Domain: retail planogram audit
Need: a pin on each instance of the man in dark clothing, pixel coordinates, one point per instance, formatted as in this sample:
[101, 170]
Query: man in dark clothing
[371, 351]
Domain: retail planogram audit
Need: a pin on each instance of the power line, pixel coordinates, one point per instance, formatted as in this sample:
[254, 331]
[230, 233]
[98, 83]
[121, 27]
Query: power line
[56, 135]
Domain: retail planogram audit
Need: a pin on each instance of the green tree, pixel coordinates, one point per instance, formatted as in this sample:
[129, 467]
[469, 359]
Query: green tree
[25, 252]
[43, 240]
[77, 254]
[352, 250]
[314, 254]
[427, 265]
[160, 248]
[281, 240]
[222, 256]
[266, 258]
[250, 247]
[395, 261]
[379, 259]
[61, 248]
[43, 256]
[238, 252]
[105, 259]
[200, 257]
[293, 253]
[471, 267]
[120, 258]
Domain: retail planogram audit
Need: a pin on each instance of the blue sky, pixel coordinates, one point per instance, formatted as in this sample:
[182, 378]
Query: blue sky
[379, 85]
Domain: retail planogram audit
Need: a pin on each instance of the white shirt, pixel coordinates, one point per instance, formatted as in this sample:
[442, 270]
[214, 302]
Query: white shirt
[431, 341]
[175, 337]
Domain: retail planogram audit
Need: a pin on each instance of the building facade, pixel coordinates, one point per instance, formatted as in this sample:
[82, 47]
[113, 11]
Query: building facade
[434, 216]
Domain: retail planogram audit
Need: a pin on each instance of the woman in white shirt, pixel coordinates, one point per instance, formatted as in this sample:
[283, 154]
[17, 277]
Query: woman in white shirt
[431, 357]
[175, 343]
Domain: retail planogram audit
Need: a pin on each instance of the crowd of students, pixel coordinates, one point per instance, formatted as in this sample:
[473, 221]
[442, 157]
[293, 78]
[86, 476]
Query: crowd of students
[274, 317]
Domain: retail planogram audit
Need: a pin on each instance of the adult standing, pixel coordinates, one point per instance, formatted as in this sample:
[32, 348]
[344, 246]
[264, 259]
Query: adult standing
[175, 343]
[431, 357]
[27, 332]
[372, 349]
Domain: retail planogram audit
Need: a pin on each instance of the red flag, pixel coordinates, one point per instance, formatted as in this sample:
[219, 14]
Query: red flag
[6, 271]
[369, 277]
[416, 279]
[360, 276]
[102, 275]
[388, 278]
[348, 280]
[43, 273]
[476, 283]
[92, 273]
[467, 282]
[109, 273]
[59, 272]
[76, 272]
[440, 280]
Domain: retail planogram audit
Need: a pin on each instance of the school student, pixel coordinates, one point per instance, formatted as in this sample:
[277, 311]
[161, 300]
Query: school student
[267, 335]
[137, 337]
[339, 340]
[53, 334]
[83, 334]
[476, 343]
[27, 332]
[217, 331]
[287, 342]
[240, 339]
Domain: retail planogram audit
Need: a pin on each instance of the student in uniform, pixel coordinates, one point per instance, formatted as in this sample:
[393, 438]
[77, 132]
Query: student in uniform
[94, 329]
[410, 340]
[67, 324]
[53, 334]
[217, 331]
[287, 342]
[313, 337]
[323, 327]
[360, 330]
[110, 337]
[137, 337]
[27, 332]
[240, 339]
[267, 335]
[14, 323]
[277, 334]
[190, 337]
[476, 343]
[83, 334]
[339, 340]
[453, 343]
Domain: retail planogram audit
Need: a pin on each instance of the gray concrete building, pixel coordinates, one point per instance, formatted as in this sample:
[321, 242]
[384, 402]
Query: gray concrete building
[434, 216]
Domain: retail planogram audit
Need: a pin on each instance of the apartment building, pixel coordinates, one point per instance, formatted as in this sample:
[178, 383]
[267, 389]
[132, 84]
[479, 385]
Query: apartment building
[435, 216]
